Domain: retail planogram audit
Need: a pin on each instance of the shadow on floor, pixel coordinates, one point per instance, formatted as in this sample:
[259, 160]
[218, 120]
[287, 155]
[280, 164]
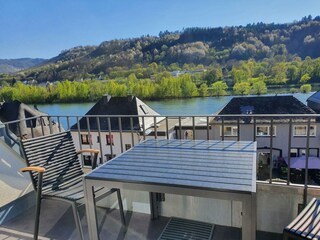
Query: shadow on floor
[56, 222]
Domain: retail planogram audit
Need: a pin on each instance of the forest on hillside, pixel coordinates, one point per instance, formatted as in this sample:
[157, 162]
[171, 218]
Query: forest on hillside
[237, 57]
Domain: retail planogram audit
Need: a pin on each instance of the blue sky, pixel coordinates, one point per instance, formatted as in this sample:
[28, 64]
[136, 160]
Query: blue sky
[43, 28]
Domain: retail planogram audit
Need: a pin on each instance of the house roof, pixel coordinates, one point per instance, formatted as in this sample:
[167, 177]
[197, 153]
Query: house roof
[110, 106]
[15, 110]
[286, 104]
[314, 97]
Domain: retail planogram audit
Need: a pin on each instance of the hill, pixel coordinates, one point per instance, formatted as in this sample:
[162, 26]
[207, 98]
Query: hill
[15, 65]
[190, 48]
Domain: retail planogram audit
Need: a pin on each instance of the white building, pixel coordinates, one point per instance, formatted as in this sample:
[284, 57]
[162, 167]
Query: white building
[114, 131]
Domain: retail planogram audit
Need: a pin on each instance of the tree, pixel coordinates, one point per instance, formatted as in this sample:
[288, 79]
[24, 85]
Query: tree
[241, 88]
[305, 78]
[203, 90]
[259, 87]
[213, 75]
[219, 88]
[305, 88]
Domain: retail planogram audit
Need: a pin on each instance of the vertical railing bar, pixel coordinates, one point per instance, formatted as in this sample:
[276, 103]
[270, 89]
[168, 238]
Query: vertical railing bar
[254, 129]
[193, 128]
[89, 131]
[80, 139]
[79, 134]
[32, 132]
[50, 124]
[180, 128]
[68, 122]
[143, 128]
[89, 135]
[41, 123]
[289, 151]
[167, 127]
[120, 131]
[110, 137]
[59, 124]
[19, 130]
[238, 129]
[305, 192]
[208, 136]
[131, 126]
[100, 139]
[222, 129]
[155, 127]
[271, 150]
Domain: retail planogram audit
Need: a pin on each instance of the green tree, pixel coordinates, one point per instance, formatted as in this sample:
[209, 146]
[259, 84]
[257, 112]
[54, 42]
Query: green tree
[241, 88]
[213, 75]
[305, 78]
[219, 88]
[203, 90]
[259, 87]
[305, 88]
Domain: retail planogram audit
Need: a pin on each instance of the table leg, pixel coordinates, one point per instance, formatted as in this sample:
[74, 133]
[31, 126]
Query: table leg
[154, 206]
[249, 217]
[91, 211]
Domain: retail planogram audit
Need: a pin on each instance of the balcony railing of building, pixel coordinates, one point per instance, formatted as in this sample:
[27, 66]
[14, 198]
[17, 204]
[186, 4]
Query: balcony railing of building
[280, 138]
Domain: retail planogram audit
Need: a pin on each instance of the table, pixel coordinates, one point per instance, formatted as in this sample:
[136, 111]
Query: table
[203, 168]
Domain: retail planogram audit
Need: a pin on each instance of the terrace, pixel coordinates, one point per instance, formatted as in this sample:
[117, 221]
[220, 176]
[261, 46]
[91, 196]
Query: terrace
[279, 195]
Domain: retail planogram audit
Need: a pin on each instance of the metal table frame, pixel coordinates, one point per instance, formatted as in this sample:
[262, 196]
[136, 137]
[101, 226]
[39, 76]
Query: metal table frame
[247, 198]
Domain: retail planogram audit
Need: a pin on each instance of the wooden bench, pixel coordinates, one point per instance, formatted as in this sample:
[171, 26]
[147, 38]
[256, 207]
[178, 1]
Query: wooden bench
[306, 225]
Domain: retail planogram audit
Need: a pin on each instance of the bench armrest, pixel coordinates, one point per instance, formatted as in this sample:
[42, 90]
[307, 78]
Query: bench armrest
[33, 168]
[95, 158]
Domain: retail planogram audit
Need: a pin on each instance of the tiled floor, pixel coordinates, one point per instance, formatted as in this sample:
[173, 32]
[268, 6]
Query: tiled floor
[57, 223]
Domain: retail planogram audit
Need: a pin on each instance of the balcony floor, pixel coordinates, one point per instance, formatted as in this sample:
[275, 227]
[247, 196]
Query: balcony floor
[57, 222]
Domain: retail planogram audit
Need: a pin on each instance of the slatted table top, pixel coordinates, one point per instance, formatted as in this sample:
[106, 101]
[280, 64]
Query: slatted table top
[201, 164]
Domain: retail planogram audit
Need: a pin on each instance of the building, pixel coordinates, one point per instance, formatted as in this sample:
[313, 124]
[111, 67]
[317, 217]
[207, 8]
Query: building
[112, 132]
[253, 127]
[34, 126]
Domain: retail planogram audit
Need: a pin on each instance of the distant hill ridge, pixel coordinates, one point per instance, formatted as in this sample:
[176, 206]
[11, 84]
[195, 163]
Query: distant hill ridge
[15, 65]
[224, 46]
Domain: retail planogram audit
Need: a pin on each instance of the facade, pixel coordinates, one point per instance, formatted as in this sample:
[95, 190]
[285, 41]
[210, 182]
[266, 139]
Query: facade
[113, 134]
[284, 132]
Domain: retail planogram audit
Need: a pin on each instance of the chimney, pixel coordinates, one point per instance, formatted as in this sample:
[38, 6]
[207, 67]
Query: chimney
[106, 98]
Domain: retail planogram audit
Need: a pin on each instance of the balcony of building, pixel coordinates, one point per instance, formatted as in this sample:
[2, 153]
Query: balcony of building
[281, 191]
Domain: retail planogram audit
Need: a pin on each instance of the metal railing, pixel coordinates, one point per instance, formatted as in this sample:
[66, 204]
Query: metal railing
[114, 134]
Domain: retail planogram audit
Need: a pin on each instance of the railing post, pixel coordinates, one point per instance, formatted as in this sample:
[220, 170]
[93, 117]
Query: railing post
[305, 192]
[289, 152]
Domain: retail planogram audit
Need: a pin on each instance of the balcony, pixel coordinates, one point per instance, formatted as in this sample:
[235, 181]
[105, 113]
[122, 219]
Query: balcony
[281, 190]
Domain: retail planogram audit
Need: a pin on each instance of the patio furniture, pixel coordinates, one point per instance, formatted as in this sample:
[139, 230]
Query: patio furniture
[210, 169]
[306, 225]
[178, 228]
[56, 173]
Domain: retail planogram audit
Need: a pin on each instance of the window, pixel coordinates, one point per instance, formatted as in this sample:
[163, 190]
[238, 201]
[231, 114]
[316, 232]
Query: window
[85, 139]
[265, 131]
[87, 161]
[293, 152]
[127, 146]
[188, 134]
[109, 156]
[302, 130]
[229, 131]
[109, 139]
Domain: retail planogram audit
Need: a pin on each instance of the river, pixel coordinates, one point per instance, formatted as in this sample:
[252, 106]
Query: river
[185, 106]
